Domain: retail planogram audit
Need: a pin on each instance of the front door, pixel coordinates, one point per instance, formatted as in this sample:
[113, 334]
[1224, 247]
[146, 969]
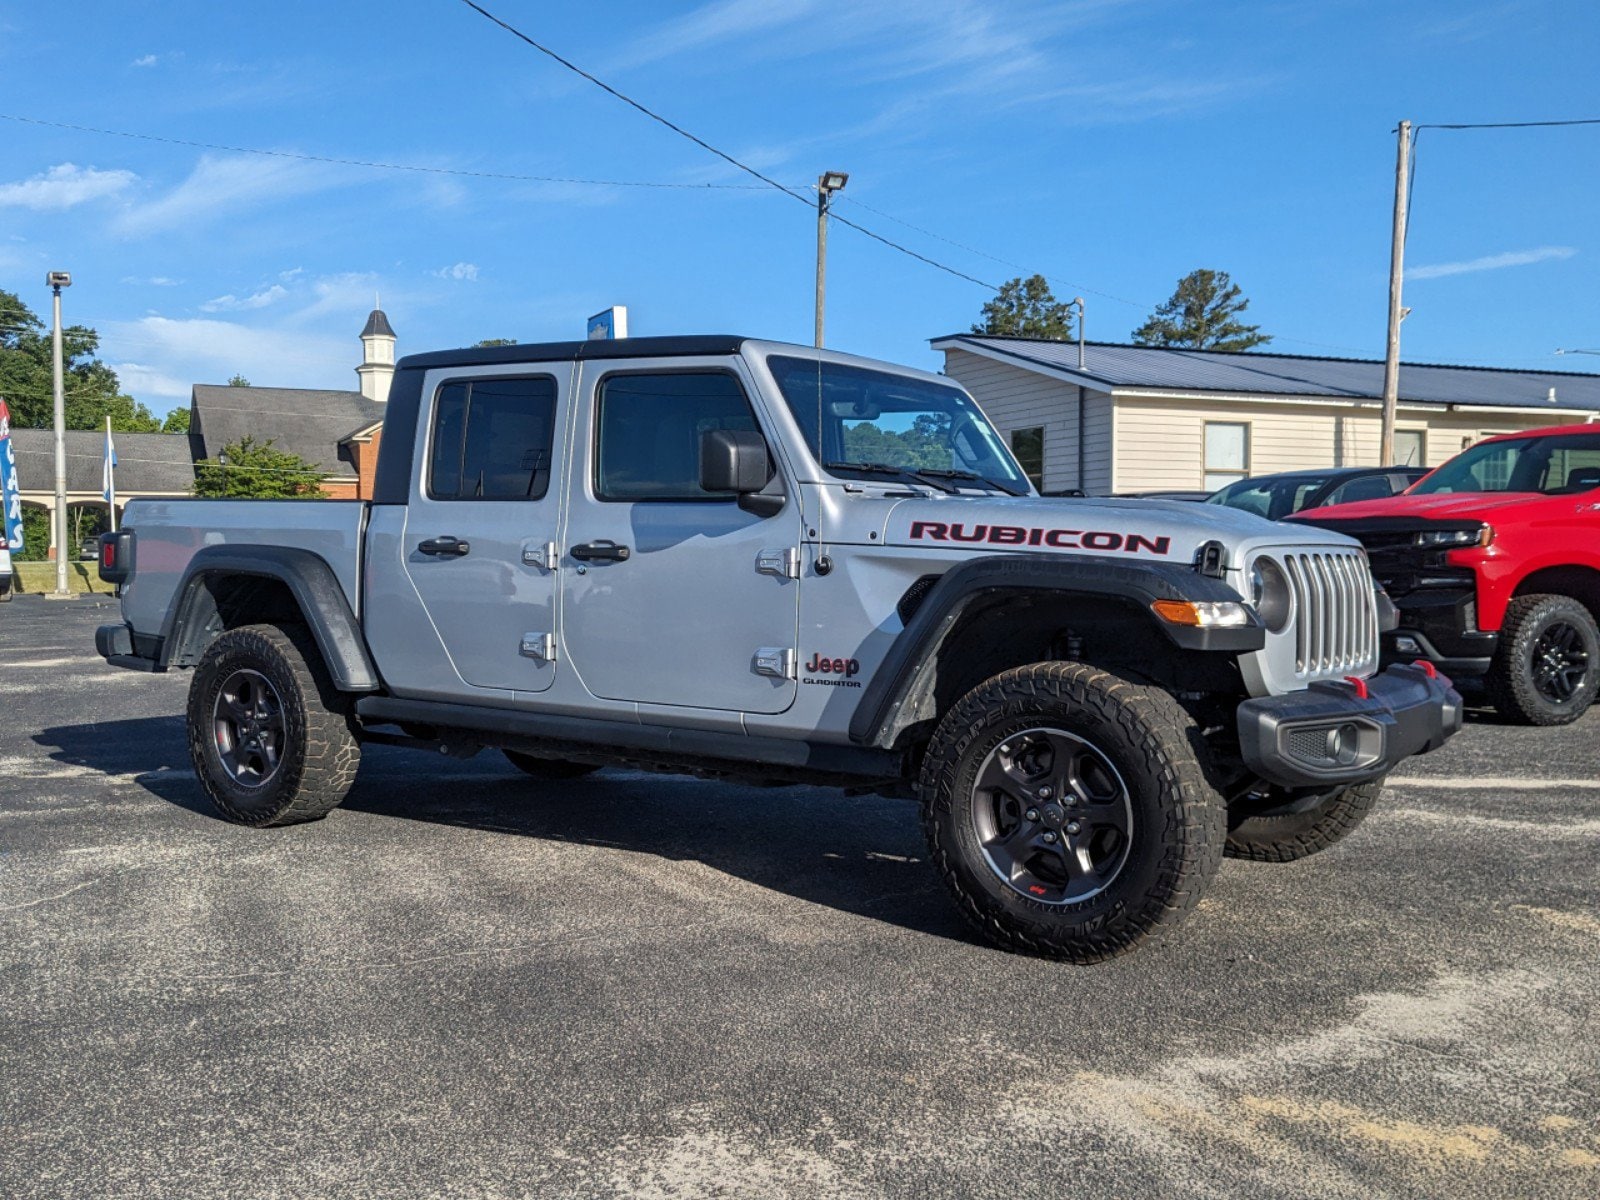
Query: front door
[481, 523]
[672, 595]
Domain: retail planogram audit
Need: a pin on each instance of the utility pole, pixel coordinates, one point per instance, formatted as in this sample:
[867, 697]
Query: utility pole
[58, 280]
[828, 183]
[1397, 266]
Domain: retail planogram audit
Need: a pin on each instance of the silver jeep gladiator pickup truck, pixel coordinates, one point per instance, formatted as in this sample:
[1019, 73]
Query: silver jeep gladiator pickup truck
[738, 558]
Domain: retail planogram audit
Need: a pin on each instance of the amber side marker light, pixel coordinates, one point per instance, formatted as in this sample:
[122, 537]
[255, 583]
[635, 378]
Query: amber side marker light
[1205, 614]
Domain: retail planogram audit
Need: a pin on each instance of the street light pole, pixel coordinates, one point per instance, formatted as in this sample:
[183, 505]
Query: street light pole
[828, 183]
[1397, 264]
[58, 280]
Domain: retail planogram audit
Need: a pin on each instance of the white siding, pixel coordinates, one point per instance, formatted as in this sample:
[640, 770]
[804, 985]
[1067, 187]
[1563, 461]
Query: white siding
[1016, 398]
[1160, 443]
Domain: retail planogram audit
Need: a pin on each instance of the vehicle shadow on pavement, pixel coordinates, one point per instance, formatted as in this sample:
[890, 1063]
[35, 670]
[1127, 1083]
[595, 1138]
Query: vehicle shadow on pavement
[862, 855]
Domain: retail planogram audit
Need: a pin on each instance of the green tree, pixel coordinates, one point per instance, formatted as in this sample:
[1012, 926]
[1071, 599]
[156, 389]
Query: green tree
[925, 445]
[238, 381]
[497, 342]
[256, 470]
[92, 391]
[1027, 308]
[1203, 314]
[177, 421]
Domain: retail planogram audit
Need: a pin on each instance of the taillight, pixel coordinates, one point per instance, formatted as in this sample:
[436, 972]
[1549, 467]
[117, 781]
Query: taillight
[116, 556]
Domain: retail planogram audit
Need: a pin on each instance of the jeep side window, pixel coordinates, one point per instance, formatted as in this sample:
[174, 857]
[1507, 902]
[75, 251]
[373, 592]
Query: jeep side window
[492, 439]
[648, 427]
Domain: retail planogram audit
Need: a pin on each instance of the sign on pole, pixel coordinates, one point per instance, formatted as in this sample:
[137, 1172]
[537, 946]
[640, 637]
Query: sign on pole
[10, 493]
[612, 323]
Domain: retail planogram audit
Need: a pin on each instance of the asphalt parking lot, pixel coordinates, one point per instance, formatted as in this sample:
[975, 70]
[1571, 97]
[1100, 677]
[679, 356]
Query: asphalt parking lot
[464, 983]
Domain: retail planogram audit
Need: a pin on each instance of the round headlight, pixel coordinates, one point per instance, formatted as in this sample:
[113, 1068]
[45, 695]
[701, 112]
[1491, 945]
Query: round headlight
[1270, 593]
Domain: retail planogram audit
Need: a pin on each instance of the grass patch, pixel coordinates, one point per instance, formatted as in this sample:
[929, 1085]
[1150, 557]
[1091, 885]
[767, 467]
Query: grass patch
[38, 577]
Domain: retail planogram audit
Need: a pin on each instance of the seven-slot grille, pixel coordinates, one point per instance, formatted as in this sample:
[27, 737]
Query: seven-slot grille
[1336, 621]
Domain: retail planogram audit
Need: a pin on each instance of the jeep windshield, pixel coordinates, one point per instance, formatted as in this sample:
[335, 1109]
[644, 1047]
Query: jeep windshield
[861, 423]
[1557, 465]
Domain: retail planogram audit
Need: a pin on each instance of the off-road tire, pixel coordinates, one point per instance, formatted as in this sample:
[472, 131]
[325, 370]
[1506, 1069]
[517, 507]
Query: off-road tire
[549, 769]
[320, 750]
[1298, 831]
[1178, 823]
[1513, 687]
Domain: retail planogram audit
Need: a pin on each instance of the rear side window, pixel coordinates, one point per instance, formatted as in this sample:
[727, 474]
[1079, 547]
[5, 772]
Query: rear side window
[493, 439]
[648, 432]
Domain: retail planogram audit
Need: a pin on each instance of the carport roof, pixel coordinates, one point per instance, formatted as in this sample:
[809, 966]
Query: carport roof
[1109, 365]
[147, 463]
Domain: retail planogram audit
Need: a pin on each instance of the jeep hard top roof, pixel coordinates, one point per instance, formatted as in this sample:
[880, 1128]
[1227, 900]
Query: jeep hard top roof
[640, 347]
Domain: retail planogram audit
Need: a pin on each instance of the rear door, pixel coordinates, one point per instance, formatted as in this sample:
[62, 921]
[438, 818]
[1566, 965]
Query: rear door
[482, 523]
[671, 595]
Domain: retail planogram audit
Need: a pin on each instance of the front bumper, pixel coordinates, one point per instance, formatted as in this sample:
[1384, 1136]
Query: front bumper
[1339, 733]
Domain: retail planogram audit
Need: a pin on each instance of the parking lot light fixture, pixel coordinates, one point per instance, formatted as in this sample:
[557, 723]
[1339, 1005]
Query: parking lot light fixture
[56, 280]
[828, 183]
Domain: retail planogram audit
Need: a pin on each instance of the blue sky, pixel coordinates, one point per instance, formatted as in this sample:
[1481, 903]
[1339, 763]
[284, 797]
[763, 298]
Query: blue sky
[1111, 144]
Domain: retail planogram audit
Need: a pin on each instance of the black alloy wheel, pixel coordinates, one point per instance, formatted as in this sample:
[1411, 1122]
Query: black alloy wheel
[247, 719]
[1052, 815]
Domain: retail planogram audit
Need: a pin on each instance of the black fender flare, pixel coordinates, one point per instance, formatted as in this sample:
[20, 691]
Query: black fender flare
[310, 580]
[907, 676]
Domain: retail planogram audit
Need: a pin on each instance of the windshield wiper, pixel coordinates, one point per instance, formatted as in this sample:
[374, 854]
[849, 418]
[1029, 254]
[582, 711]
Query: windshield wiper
[974, 477]
[867, 468]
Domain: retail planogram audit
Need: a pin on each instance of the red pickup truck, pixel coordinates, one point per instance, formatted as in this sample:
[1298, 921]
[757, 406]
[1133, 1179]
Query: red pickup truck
[1494, 563]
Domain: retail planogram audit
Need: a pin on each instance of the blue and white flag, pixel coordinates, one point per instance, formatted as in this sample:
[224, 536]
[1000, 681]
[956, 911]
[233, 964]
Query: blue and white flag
[10, 494]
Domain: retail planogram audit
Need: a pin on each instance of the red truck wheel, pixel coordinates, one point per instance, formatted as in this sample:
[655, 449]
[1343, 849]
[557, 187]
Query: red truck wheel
[1545, 667]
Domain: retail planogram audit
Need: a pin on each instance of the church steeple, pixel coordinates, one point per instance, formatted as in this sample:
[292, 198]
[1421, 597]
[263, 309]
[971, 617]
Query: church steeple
[377, 354]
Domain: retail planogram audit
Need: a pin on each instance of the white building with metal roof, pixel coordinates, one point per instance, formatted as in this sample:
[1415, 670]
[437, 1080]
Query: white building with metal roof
[1143, 418]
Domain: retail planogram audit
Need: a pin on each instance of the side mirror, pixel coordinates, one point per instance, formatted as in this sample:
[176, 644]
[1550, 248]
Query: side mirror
[736, 460]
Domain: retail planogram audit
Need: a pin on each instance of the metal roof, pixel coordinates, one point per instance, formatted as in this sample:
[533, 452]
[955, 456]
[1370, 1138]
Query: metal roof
[147, 463]
[1110, 365]
[378, 324]
[303, 421]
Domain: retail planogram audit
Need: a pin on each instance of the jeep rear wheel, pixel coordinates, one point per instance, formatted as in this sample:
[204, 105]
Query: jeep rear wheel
[1545, 666]
[1300, 827]
[272, 741]
[1065, 810]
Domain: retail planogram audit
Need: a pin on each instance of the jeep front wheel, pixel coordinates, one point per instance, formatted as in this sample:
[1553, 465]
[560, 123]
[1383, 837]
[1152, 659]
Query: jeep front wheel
[1066, 811]
[272, 741]
[1545, 666]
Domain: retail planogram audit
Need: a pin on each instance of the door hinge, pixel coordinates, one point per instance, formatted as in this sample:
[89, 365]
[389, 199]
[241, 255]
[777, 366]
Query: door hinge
[544, 556]
[776, 662]
[540, 646]
[785, 564]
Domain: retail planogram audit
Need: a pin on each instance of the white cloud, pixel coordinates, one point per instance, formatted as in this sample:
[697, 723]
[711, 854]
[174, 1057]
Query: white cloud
[218, 187]
[145, 60]
[152, 281]
[63, 187]
[261, 299]
[462, 270]
[161, 357]
[1492, 262]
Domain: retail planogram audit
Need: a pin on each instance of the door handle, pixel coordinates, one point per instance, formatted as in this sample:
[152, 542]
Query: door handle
[601, 551]
[445, 547]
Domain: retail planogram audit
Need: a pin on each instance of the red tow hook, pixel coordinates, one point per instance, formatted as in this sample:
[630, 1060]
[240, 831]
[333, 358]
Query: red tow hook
[1360, 686]
[1427, 668]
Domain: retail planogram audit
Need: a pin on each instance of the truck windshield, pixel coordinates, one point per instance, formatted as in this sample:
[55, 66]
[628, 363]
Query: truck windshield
[1557, 465]
[1274, 498]
[860, 422]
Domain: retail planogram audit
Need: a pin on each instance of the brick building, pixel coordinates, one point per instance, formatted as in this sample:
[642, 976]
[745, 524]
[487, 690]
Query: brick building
[337, 432]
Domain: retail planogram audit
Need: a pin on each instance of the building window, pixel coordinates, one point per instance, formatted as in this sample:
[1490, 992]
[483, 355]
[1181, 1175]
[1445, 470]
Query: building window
[1028, 446]
[1227, 453]
[1410, 448]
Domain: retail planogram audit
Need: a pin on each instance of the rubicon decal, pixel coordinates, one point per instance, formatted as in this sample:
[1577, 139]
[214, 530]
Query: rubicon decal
[1060, 539]
[844, 670]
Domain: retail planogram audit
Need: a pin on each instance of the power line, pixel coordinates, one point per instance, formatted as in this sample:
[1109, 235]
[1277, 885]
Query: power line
[1515, 124]
[796, 193]
[383, 166]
